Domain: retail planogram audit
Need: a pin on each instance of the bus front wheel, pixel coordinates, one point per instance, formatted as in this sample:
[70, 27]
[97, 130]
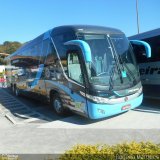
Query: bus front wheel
[57, 105]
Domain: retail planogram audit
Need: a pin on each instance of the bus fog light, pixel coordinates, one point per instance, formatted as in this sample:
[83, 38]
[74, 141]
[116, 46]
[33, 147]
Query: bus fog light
[101, 111]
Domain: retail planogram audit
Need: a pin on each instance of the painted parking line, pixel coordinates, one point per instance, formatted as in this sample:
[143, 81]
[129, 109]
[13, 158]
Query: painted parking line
[143, 117]
[17, 112]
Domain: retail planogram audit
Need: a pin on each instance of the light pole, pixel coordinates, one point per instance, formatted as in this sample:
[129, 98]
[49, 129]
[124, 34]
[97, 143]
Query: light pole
[137, 16]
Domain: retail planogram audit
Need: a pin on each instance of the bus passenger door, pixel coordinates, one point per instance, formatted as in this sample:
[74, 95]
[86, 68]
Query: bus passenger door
[76, 83]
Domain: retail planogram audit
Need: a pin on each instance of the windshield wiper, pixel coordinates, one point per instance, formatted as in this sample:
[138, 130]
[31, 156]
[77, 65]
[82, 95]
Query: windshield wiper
[116, 59]
[111, 78]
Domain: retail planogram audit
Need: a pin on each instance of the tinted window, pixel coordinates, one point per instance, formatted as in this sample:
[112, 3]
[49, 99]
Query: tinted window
[33, 54]
[59, 42]
[74, 67]
[140, 53]
[51, 55]
[155, 48]
[29, 57]
[44, 50]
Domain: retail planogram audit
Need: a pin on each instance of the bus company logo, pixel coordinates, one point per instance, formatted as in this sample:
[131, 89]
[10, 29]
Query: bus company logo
[149, 70]
[126, 99]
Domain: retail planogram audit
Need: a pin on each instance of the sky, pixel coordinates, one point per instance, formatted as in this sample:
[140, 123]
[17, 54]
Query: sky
[24, 20]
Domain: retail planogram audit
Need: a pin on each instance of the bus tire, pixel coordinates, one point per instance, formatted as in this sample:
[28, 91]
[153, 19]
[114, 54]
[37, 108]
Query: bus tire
[56, 104]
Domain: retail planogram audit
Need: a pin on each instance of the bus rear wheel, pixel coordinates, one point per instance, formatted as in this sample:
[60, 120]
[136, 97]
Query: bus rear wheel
[57, 105]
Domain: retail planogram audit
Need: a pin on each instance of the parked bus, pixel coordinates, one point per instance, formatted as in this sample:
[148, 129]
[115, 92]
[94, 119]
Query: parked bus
[90, 70]
[150, 67]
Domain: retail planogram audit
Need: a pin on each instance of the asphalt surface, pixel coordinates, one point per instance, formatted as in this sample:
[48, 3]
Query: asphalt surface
[29, 126]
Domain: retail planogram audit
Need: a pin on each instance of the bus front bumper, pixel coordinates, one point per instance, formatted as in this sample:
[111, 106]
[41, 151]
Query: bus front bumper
[97, 111]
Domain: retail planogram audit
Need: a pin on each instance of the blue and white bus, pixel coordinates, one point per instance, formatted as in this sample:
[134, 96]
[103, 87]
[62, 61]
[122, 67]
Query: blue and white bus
[90, 70]
[150, 67]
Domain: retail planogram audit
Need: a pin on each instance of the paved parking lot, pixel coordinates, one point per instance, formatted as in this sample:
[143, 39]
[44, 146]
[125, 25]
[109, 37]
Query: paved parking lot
[29, 126]
[21, 110]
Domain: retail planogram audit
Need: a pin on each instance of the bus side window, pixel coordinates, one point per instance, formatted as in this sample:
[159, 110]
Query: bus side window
[154, 42]
[60, 39]
[74, 67]
[45, 47]
[51, 67]
[33, 62]
[51, 55]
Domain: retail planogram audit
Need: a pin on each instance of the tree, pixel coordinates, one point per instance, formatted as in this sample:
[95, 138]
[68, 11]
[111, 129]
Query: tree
[9, 47]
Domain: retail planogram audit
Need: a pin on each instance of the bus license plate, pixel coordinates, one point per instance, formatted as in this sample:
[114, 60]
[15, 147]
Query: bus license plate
[126, 107]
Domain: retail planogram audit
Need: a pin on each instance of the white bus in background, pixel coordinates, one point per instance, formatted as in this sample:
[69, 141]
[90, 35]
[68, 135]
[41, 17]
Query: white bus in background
[150, 67]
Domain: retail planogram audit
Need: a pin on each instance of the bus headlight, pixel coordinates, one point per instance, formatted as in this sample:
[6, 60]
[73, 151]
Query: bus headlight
[112, 100]
[95, 98]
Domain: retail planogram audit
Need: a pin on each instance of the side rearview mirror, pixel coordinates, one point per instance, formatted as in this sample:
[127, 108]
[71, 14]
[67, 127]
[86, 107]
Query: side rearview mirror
[144, 44]
[85, 48]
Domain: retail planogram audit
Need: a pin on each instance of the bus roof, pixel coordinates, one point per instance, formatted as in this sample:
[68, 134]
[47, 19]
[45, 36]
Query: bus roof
[145, 35]
[69, 28]
[86, 29]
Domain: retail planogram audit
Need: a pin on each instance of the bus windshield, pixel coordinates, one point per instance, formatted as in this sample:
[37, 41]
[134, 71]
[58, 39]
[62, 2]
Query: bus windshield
[113, 62]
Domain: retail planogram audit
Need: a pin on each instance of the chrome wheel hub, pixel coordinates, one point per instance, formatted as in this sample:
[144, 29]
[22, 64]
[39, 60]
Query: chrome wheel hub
[57, 105]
